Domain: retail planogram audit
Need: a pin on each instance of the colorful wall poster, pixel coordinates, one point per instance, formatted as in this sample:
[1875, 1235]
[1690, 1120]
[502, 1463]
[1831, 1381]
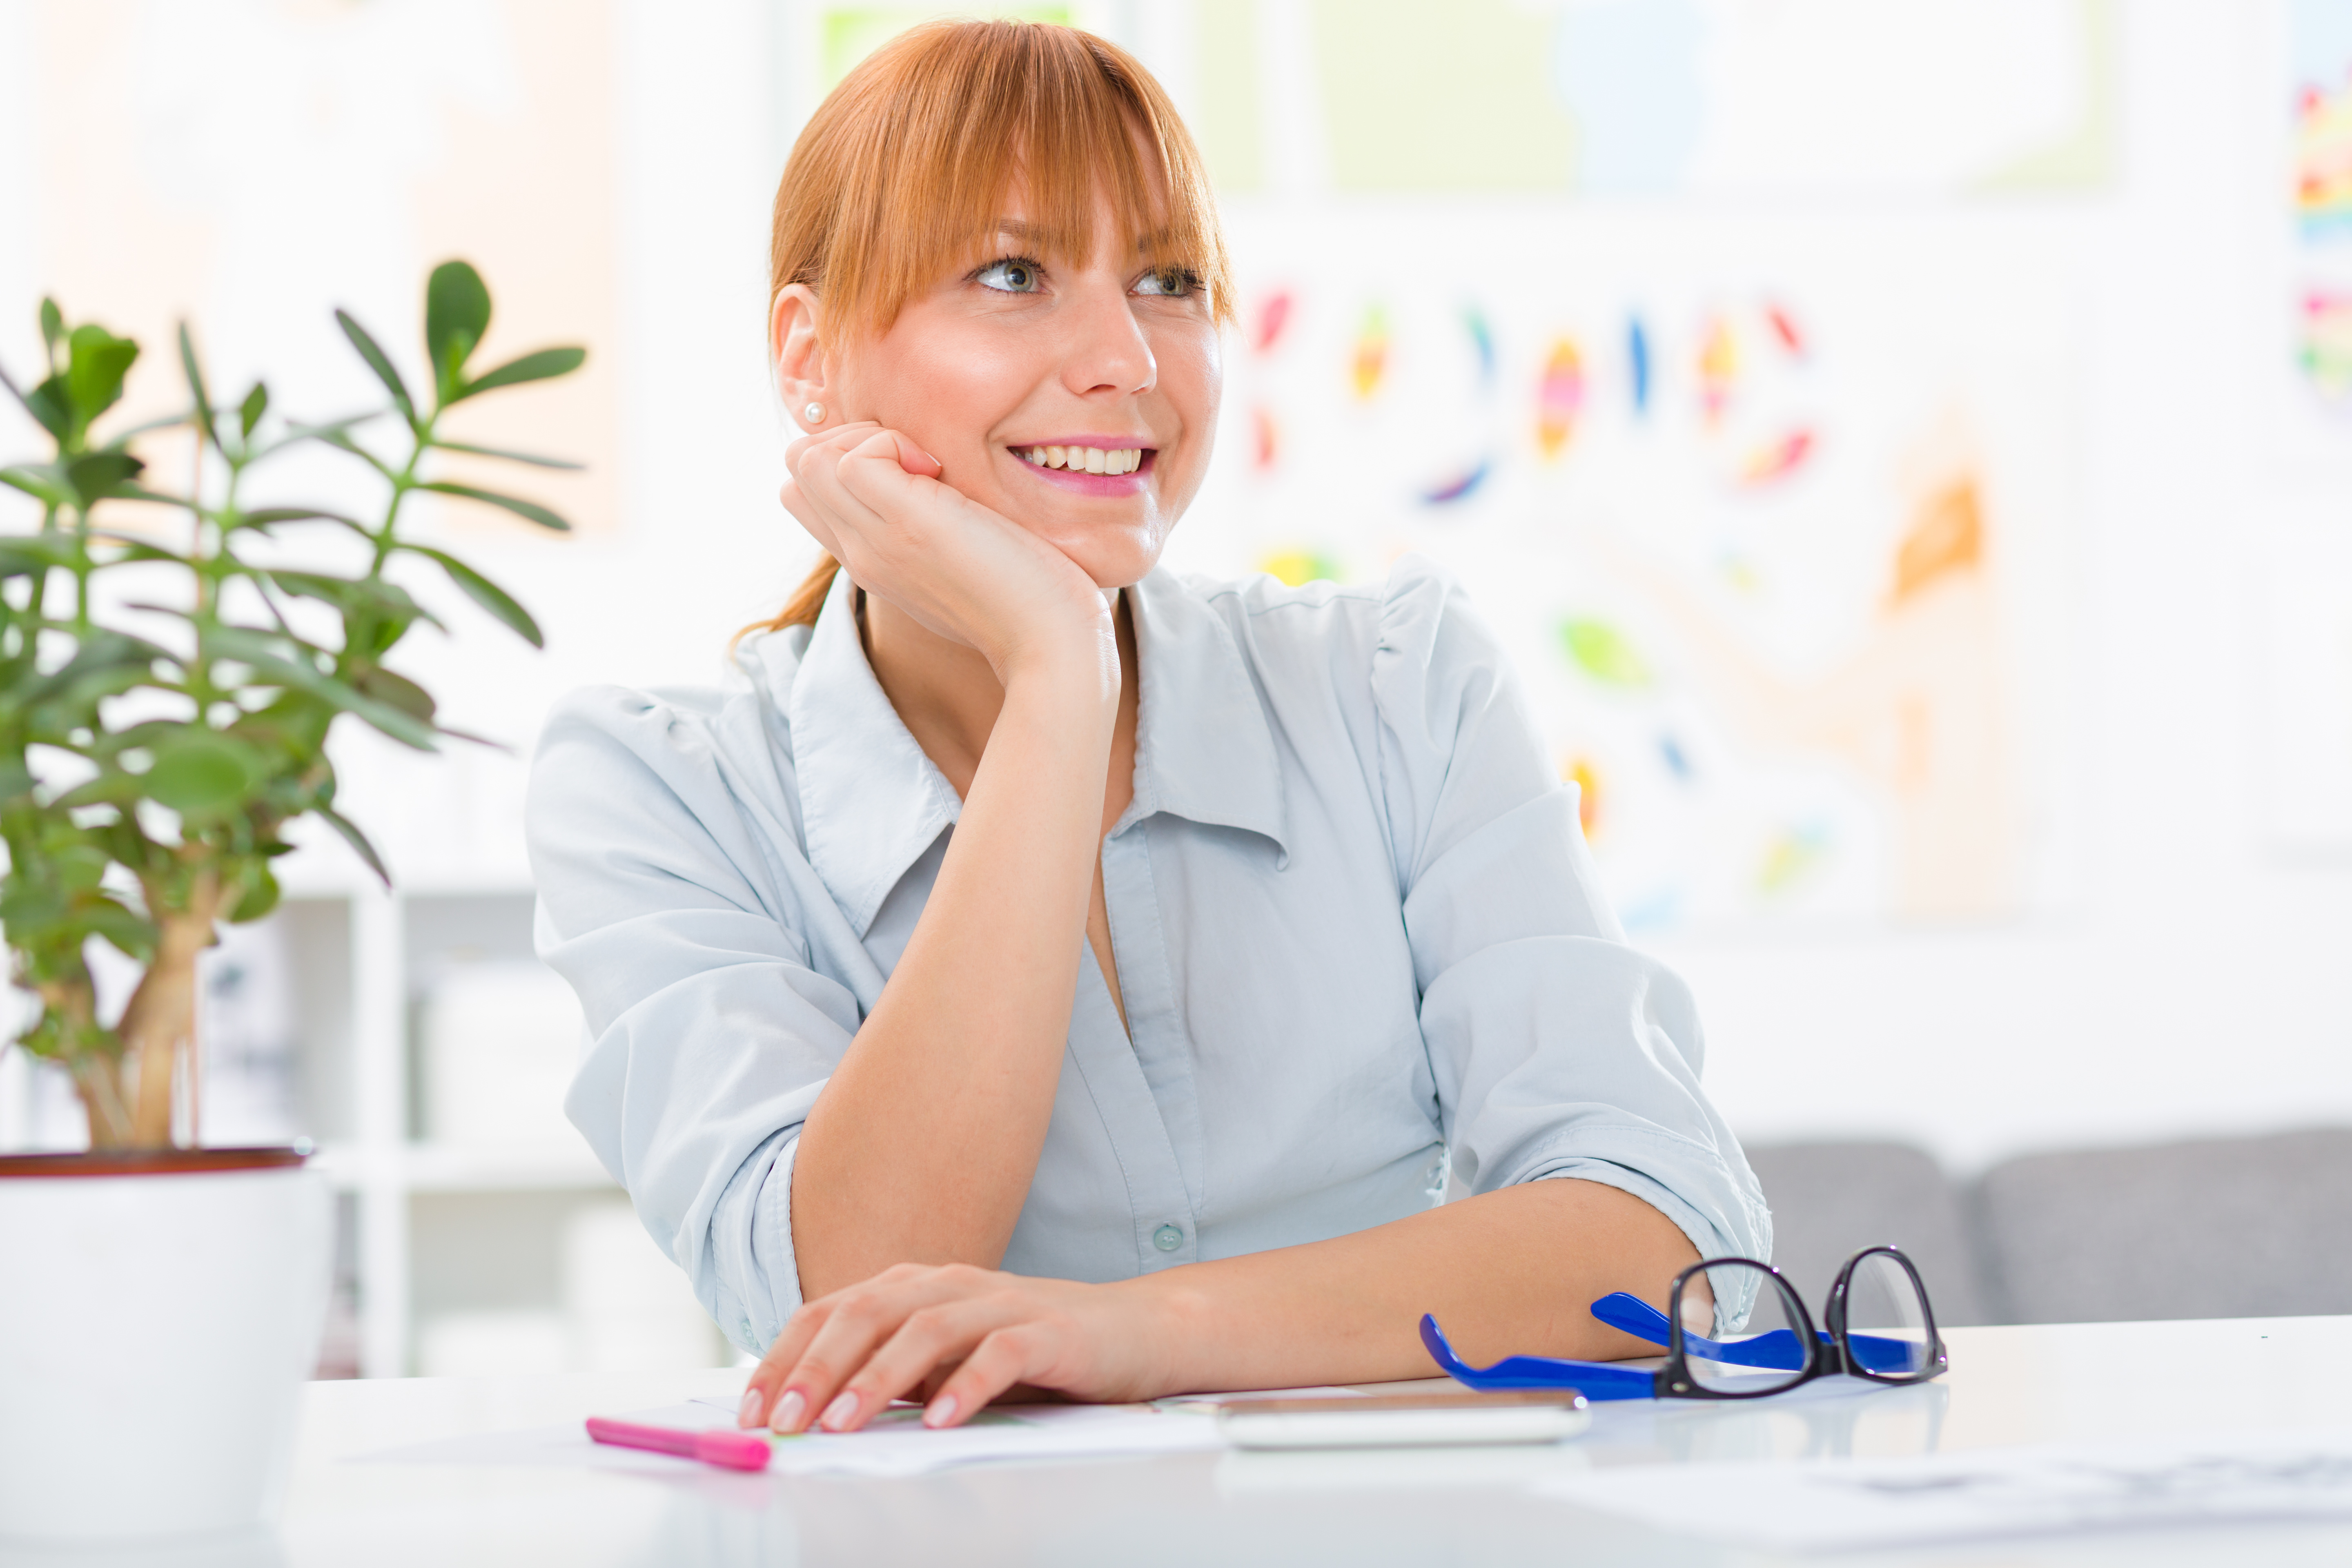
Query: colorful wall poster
[1780, 543]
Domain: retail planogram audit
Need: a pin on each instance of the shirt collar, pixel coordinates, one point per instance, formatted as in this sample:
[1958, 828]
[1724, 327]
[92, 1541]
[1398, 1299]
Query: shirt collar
[872, 803]
[1204, 750]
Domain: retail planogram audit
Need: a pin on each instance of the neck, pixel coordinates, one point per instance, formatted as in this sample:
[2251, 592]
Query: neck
[945, 692]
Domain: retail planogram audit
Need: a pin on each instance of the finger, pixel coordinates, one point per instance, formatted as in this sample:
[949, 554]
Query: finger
[1009, 1355]
[879, 475]
[930, 1335]
[900, 448]
[759, 1389]
[914, 459]
[857, 1321]
[837, 519]
[857, 430]
[810, 515]
[799, 1329]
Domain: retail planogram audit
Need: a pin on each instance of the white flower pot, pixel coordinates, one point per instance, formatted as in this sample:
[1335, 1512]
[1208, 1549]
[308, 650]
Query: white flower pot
[157, 1316]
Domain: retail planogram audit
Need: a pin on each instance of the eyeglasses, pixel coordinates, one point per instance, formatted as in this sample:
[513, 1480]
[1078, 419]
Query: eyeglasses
[1880, 1327]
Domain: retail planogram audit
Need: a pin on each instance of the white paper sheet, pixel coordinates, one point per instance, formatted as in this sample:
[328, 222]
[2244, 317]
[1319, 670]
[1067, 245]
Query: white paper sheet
[897, 1443]
[1826, 1505]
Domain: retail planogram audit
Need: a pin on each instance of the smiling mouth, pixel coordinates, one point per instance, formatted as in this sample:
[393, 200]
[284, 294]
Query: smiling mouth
[1107, 460]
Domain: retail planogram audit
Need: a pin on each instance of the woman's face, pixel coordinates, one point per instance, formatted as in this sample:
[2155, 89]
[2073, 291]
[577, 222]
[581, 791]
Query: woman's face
[1078, 401]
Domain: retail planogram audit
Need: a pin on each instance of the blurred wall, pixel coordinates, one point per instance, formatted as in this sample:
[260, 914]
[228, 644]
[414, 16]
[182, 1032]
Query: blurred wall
[1907, 473]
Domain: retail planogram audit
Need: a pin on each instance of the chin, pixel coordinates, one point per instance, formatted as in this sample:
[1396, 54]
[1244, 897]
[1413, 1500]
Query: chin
[1118, 561]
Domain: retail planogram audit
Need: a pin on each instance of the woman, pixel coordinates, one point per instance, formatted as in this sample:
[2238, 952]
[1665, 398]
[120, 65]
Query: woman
[1051, 974]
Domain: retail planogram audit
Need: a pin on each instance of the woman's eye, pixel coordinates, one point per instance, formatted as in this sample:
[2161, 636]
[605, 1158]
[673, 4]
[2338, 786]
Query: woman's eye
[1169, 280]
[1013, 275]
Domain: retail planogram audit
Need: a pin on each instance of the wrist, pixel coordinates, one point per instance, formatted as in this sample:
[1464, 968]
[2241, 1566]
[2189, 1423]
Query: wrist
[1178, 1341]
[1079, 663]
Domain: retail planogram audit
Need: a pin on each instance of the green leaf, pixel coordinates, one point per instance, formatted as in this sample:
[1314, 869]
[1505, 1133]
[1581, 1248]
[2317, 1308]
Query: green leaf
[257, 892]
[543, 365]
[457, 314]
[112, 787]
[101, 474]
[399, 691]
[263, 516]
[202, 412]
[15, 779]
[43, 481]
[53, 326]
[486, 593]
[131, 934]
[534, 461]
[49, 404]
[388, 600]
[357, 840]
[24, 552]
[378, 363]
[256, 403]
[515, 504]
[203, 772]
[96, 363]
[271, 661]
[105, 665]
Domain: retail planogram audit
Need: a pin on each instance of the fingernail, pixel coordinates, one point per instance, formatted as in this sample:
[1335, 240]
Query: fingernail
[788, 1411]
[942, 1411]
[840, 1412]
[747, 1413]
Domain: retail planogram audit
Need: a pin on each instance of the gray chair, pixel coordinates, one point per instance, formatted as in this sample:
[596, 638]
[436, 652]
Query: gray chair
[2241, 1227]
[1831, 1200]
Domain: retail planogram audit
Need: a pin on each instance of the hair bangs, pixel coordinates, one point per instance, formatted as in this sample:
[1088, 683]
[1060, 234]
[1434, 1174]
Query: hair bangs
[903, 174]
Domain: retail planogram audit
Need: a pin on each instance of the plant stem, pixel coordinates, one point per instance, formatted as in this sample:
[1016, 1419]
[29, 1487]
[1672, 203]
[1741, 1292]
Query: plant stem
[401, 483]
[162, 1010]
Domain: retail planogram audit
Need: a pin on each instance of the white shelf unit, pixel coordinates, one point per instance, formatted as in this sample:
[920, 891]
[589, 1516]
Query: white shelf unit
[423, 1227]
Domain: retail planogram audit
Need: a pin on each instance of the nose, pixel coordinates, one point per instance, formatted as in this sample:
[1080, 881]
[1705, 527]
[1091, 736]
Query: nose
[1107, 352]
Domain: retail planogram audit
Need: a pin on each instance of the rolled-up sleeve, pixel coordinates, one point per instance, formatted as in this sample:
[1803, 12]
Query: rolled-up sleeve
[1558, 1050]
[664, 902]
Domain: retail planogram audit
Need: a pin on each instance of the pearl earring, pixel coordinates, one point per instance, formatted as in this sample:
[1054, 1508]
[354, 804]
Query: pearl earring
[814, 413]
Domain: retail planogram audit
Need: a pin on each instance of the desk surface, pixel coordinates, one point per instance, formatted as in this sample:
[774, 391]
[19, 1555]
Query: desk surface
[2007, 1385]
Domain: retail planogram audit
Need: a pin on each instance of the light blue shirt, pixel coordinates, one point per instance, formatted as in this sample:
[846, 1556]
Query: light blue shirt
[1357, 931]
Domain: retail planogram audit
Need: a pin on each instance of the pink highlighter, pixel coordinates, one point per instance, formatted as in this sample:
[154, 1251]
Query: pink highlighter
[735, 1450]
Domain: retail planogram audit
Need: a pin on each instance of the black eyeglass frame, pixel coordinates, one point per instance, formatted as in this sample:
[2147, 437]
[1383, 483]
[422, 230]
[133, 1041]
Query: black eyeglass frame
[1822, 1359]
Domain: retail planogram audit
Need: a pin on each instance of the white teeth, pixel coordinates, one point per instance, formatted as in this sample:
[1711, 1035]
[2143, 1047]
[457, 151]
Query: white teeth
[1086, 459]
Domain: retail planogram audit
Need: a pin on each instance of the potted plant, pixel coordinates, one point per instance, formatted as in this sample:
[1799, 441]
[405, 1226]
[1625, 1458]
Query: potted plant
[167, 695]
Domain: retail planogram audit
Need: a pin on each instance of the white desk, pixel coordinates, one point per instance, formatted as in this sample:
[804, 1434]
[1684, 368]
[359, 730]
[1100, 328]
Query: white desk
[2007, 1386]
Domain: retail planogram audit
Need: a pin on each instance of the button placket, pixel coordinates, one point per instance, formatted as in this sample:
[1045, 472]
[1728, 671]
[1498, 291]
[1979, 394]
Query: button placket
[1155, 1027]
[1130, 1118]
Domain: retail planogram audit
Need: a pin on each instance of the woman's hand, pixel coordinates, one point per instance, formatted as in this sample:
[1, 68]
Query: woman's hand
[878, 505]
[966, 1335]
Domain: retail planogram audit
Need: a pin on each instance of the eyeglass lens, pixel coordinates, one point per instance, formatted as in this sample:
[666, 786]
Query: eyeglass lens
[1764, 1355]
[1886, 1319]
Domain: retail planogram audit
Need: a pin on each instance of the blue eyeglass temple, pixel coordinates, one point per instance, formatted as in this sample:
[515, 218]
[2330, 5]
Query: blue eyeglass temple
[1605, 1380]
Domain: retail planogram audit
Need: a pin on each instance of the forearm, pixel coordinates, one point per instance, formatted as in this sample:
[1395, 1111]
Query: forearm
[1511, 1272]
[923, 1144]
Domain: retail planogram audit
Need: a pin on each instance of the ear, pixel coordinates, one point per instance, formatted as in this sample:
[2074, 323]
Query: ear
[802, 370]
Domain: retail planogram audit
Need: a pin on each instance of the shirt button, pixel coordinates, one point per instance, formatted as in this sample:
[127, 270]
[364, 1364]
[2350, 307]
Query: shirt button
[1168, 1238]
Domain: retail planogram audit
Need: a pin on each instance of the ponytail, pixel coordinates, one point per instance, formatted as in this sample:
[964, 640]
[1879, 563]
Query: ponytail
[801, 608]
